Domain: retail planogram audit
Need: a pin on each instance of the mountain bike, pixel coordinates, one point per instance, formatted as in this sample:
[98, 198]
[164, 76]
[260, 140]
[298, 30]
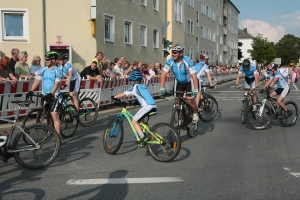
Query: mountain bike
[34, 147]
[208, 105]
[264, 113]
[163, 142]
[182, 116]
[247, 101]
[68, 116]
[88, 110]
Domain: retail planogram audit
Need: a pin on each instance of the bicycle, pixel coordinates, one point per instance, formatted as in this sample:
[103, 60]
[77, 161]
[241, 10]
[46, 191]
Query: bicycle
[263, 114]
[68, 116]
[208, 105]
[88, 110]
[182, 116]
[246, 102]
[39, 148]
[163, 142]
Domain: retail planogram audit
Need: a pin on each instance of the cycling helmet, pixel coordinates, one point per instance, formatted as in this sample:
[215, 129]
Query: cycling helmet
[205, 56]
[246, 64]
[63, 56]
[51, 55]
[135, 75]
[177, 47]
[271, 66]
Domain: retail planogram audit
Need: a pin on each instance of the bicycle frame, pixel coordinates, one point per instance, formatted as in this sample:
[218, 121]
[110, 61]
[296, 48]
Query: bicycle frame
[268, 100]
[65, 103]
[125, 113]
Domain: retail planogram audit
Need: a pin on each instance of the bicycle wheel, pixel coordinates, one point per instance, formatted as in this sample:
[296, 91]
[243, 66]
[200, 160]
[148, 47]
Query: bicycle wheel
[191, 128]
[262, 119]
[69, 120]
[113, 136]
[207, 108]
[31, 157]
[36, 116]
[88, 112]
[244, 107]
[176, 119]
[170, 146]
[290, 119]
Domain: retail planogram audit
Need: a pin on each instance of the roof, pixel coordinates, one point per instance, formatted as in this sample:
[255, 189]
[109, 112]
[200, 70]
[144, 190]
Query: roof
[242, 34]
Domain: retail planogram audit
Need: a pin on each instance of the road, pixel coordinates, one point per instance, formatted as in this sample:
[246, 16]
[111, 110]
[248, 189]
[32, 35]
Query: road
[226, 160]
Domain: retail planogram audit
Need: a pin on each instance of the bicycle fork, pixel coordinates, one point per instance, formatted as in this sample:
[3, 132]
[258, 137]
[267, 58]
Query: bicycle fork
[261, 109]
[116, 131]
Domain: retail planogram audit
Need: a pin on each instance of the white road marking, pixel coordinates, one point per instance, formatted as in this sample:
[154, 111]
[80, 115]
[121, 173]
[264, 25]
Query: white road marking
[296, 174]
[236, 97]
[295, 86]
[221, 97]
[123, 180]
[228, 99]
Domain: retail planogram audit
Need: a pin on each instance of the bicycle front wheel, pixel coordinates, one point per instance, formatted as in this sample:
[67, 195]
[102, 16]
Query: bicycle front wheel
[37, 115]
[191, 128]
[113, 136]
[88, 112]
[69, 120]
[208, 108]
[32, 157]
[176, 119]
[260, 118]
[170, 142]
[289, 119]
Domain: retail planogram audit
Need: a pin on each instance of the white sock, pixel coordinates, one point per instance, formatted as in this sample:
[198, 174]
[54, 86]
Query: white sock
[141, 135]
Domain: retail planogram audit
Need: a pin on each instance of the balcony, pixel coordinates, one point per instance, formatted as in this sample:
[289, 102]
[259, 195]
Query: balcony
[225, 30]
[225, 13]
[225, 47]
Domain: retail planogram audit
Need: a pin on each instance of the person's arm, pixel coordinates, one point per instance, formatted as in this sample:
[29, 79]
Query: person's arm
[163, 78]
[120, 95]
[209, 78]
[256, 75]
[69, 77]
[195, 81]
[237, 78]
[35, 84]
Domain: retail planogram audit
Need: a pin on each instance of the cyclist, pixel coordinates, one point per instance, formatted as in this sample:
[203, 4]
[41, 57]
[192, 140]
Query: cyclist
[144, 97]
[51, 77]
[202, 69]
[73, 77]
[283, 87]
[251, 78]
[184, 71]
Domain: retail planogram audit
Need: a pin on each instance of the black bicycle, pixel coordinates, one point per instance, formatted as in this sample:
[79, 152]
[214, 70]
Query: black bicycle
[208, 105]
[265, 113]
[68, 116]
[182, 116]
[247, 102]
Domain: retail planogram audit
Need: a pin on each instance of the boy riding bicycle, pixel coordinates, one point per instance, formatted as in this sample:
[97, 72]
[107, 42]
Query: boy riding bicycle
[144, 97]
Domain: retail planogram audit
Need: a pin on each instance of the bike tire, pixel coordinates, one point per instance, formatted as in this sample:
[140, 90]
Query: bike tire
[35, 116]
[288, 121]
[176, 119]
[208, 108]
[191, 128]
[32, 158]
[258, 122]
[244, 107]
[113, 136]
[88, 112]
[69, 120]
[170, 148]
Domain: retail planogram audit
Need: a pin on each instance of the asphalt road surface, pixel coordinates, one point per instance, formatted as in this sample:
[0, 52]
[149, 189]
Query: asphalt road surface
[226, 160]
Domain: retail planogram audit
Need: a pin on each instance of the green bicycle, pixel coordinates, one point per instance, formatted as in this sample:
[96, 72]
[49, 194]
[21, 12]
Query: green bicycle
[163, 142]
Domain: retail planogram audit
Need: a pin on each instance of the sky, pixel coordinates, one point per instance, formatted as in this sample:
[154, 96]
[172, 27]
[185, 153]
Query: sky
[272, 18]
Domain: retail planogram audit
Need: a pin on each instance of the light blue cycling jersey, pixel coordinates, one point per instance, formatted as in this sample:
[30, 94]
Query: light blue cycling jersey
[49, 77]
[201, 67]
[142, 94]
[67, 67]
[182, 71]
[250, 72]
[281, 83]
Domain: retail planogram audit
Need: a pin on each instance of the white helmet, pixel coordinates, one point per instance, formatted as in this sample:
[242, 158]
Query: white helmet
[177, 47]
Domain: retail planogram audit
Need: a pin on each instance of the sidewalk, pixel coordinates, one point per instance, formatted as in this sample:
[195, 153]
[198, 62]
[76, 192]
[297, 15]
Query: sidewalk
[109, 110]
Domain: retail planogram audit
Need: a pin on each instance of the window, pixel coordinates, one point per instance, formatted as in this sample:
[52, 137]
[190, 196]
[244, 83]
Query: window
[197, 44]
[190, 3]
[143, 36]
[155, 4]
[128, 32]
[143, 2]
[190, 27]
[178, 11]
[15, 25]
[191, 53]
[155, 38]
[109, 29]
[197, 17]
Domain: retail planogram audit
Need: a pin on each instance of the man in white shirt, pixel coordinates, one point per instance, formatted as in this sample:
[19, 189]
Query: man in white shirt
[118, 70]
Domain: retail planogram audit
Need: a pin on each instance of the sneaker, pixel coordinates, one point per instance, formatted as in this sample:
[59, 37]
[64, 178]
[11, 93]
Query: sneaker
[143, 142]
[289, 113]
[195, 118]
[254, 108]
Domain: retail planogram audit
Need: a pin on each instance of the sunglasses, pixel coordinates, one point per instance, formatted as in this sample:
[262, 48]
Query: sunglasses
[175, 52]
[47, 59]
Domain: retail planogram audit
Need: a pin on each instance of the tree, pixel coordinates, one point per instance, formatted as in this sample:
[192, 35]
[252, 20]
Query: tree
[288, 49]
[263, 51]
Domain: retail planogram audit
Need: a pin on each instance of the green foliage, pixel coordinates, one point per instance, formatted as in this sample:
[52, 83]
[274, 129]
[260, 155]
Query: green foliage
[288, 49]
[262, 51]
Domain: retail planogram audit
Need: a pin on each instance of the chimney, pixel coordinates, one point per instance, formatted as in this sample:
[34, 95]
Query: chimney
[245, 30]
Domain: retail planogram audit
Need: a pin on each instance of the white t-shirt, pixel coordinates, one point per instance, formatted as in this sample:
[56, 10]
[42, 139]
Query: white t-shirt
[119, 70]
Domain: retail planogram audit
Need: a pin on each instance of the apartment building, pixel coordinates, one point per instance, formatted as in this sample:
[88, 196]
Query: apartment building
[246, 39]
[130, 28]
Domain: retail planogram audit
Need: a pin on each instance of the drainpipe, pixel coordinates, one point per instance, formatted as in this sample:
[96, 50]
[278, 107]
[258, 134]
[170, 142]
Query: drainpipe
[44, 27]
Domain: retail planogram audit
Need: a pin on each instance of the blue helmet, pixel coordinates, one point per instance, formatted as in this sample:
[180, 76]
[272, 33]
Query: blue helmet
[135, 75]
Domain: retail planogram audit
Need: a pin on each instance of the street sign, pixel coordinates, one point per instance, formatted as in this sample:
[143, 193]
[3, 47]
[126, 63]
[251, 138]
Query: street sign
[162, 26]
